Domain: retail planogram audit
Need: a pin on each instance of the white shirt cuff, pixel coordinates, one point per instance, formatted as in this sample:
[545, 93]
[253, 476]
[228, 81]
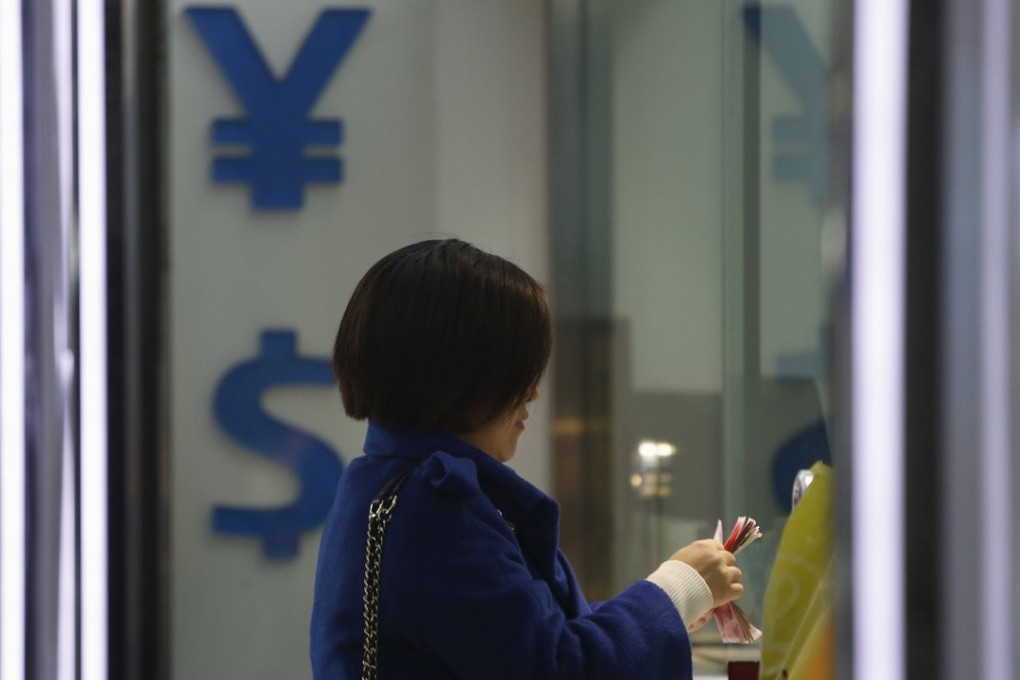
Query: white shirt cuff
[690, 594]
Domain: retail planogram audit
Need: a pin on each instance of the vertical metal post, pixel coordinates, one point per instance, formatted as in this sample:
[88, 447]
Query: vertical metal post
[582, 277]
[923, 361]
[50, 318]
[94, 470]
[877, 299]
[12, 346]
[997, 615]
[136, 221]
[976, 398]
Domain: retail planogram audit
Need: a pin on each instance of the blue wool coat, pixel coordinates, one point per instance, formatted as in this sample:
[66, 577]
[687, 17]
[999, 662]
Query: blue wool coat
[473, 583]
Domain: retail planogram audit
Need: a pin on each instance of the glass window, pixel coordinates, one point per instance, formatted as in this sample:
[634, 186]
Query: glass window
[696, 377]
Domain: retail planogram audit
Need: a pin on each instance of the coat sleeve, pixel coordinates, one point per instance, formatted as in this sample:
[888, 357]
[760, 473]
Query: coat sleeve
[461, 588]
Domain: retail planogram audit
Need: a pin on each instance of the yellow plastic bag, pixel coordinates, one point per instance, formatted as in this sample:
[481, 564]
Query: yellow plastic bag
[797, 612]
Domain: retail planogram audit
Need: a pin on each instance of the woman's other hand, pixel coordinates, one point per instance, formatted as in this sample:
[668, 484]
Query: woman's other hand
[717, 566]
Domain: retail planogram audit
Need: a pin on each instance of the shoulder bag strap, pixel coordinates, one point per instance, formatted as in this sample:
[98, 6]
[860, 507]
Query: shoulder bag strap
[379, 514]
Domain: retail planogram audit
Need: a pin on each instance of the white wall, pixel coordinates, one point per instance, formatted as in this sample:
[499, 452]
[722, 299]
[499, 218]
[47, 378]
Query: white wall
[443, 106]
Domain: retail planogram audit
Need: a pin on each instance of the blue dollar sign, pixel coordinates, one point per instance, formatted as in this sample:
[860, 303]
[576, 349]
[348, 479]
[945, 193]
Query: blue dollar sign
[239, 411]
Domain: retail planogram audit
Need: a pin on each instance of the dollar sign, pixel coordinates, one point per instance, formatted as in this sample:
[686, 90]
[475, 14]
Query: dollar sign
[239, 412]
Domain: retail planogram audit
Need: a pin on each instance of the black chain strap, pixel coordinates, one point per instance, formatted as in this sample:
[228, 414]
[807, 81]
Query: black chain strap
[380, 512]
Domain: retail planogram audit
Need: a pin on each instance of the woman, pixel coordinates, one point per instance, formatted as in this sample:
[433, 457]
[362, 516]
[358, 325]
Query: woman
[441, 348]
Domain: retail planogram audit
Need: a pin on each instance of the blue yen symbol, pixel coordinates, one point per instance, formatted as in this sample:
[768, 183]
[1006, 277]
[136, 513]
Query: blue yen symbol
[277, 128]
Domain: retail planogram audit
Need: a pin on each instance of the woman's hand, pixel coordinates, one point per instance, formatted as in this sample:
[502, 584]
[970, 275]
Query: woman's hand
[717, 566]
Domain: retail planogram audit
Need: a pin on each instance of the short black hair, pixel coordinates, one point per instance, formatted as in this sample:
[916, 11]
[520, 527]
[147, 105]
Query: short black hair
[441, 335]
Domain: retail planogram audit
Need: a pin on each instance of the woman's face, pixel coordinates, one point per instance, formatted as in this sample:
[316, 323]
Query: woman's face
[499, 437]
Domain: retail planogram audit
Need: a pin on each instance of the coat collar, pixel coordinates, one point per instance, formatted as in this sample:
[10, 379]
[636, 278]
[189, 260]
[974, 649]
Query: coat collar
[518, 499]
[535, 516]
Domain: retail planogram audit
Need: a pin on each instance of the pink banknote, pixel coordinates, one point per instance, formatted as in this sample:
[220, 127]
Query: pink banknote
[731, 619]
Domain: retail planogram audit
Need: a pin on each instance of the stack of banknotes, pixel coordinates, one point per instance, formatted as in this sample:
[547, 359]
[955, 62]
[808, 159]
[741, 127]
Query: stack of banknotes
[731, 619]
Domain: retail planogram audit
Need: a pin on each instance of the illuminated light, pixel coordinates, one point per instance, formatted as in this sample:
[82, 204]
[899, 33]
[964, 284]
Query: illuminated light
[648, 450]
[651, 477]
[92, 294]
[12, 347]
[651, 450]
[877, 298]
